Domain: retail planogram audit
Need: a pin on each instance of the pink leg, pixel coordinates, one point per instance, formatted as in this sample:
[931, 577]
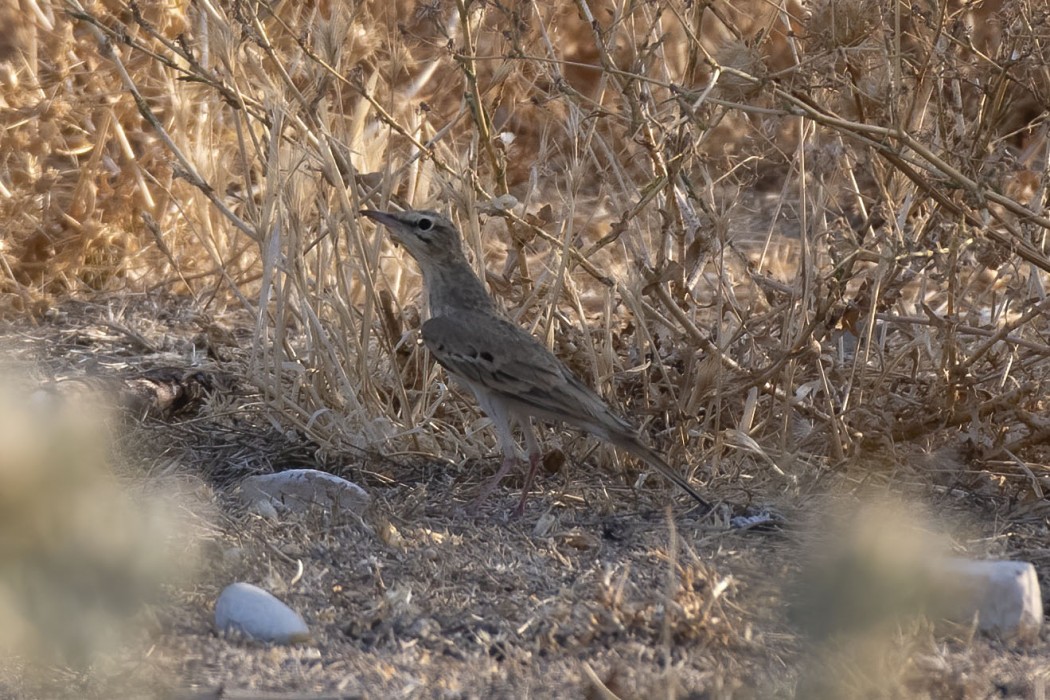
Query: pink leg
[509, 462]
[501, 420]
[535, 460]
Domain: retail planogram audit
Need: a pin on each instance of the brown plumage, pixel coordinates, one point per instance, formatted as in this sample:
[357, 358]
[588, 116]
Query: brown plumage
[513, 376]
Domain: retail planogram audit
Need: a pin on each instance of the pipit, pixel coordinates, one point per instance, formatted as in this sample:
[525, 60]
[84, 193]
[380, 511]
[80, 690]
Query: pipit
[514, 377]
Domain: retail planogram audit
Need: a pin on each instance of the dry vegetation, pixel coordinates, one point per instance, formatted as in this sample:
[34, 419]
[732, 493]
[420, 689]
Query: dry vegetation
[803, 245]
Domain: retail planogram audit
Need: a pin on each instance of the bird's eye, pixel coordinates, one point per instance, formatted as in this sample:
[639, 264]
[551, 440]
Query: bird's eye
[424, 224]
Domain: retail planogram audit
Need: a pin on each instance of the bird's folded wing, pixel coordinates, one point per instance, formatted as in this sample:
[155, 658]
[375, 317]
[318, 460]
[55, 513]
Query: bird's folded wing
[504, 359]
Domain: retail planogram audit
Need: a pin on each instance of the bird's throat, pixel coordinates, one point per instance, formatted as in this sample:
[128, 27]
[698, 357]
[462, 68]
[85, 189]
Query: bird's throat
[456, 287]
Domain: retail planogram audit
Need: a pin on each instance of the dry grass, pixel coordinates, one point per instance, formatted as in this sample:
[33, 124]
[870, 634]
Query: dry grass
[608, 178]
[803, 246]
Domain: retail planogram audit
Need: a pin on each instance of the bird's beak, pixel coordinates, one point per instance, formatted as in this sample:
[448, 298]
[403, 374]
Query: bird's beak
[382, 217]
[392, 221]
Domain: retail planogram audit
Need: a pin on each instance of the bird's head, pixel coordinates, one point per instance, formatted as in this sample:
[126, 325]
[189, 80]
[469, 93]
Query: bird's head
[427, 235]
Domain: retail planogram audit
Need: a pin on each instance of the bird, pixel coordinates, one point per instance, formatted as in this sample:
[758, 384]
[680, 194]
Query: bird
[513, 376]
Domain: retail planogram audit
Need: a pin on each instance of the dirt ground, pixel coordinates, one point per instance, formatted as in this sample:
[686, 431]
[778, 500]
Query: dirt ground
[599, 591]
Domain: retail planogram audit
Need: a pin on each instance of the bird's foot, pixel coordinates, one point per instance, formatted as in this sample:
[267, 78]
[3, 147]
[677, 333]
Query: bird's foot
[491, 484]
[519, 510]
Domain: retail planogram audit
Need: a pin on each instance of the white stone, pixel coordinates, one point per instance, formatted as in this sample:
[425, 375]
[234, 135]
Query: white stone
[1004, 595]
[249, 610]
[296, 490]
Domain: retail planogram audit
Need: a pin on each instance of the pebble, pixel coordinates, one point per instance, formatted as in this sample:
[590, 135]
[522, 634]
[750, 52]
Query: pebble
[297, 490]
[249, 610]
[1003, 595]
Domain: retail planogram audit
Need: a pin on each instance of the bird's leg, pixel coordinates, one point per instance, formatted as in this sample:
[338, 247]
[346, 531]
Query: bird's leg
[509, 462]
[535, 460]
[501, 420]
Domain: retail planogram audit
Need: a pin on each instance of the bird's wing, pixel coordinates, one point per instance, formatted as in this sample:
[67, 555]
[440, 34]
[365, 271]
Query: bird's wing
[498, 356]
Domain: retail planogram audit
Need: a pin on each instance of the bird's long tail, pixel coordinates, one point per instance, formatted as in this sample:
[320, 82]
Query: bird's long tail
[630, 444]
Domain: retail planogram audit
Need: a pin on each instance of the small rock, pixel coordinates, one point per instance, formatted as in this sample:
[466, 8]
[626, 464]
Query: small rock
[251, 611]
[500, 204]
[504, 202]
[1004, 594]
[544, 525]
[296, 490]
